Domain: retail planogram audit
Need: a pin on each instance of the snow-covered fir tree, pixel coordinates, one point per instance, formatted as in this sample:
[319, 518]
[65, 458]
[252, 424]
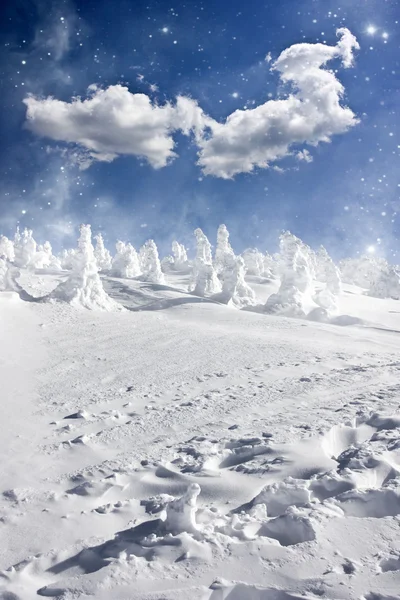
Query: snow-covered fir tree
[25, 248]
[253, 261]
[296, 279]
[223, 252]
[235, 291]
[84, 288]
[387, 284]
[362, 271]
[6, 249]
[327, 272]
[44, 258]
[3, 274]
[206, 282]
[67, 258]
[103, 256]
[179, 255]
[125, 263]
[204, 278]
[150, 263]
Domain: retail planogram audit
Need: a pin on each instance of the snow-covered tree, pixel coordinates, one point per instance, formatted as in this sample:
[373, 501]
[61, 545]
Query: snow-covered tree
[101, 253]
[235, 291]
[84, 288]
[67, 258]
[204, 278]
[270, 267]
[362, 271]
[3, 274]
[310, 257]
[327, 272]
[180, 255]
[206, 282]
[203, 247]
[296, 279]
[387, 284]
[6, 248]
[150, 263]
[253, 261]
[223, 252]
[25, 248]
[125, 263]
[167, 264]
[44, 258]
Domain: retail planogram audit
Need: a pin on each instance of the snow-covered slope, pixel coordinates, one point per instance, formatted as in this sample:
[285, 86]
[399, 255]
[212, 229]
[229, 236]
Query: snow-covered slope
[182, 449]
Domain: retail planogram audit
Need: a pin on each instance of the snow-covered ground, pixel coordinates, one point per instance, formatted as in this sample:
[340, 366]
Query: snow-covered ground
[281, 436]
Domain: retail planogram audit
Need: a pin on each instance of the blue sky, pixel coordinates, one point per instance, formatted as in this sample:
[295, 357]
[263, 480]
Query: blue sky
[219, 55]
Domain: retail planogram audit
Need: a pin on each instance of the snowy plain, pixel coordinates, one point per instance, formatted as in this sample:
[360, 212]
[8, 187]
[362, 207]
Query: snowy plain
[282, 436]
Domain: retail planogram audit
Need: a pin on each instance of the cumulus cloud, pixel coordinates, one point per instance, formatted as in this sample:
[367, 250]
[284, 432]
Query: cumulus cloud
[113, 121]
[312, 113]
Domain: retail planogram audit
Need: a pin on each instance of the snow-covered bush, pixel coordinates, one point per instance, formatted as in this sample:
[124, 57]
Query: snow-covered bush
[84, 288]
[180, 255]
[223, 251]
[204, 278]
[125, 263]
[235, 291]
[24, 248]
[103, 256]
[150, 263]
[6, 248]
[387, 284]
[296, 279]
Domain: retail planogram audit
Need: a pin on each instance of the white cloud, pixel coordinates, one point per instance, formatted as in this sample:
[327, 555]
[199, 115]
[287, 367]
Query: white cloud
[312, 113]
[304, 155]
[115, 122]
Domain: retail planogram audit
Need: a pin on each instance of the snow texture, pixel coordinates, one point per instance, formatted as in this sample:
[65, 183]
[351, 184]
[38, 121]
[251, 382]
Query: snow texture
[183, 450]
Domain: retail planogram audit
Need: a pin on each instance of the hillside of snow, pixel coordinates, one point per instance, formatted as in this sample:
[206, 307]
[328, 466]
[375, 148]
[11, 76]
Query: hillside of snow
[222, 428]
